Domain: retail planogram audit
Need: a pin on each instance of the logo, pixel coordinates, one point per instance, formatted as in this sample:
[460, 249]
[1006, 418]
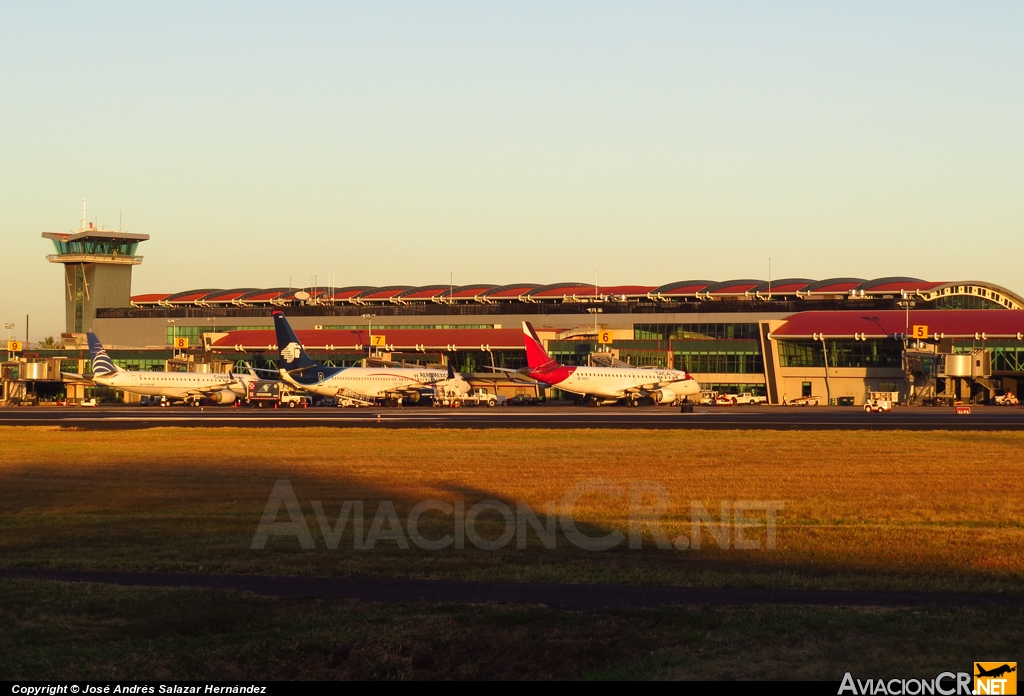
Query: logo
[995, 678]
[291, 352]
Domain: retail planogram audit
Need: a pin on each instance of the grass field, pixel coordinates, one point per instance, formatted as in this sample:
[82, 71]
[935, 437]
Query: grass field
[874, 510]
[862, 509]
[80, 631]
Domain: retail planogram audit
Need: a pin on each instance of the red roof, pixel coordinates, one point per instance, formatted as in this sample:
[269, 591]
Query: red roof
[556, 292]
[270, 295]
[954, 323]
[629, 290]
[424, 294]
[347, 294]
[838, 287]
[227, 296]
[191, 297]
[686, 289]
[472, 292]
[467, 339]
[512, 292]
[787, 288]
[735, 289]
[382, 294]
[580, 290]
[900, 286]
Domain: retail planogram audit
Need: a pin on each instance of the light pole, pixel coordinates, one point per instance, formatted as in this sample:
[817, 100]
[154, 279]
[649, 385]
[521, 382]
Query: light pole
[8, 326]
[595, 311]
[824, 352]
[906, 303]
[174, 337]
[369, 319]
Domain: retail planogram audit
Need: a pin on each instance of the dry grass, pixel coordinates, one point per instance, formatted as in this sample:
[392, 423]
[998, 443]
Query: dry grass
[880, 509]
[63, 631]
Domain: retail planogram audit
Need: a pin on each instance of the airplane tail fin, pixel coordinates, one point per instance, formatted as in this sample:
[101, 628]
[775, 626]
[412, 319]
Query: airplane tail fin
[536, 357]
[101, 362]
[291, 350]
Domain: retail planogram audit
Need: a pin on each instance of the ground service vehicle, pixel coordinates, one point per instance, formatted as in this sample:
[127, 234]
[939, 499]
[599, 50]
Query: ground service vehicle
[522, 400]
[292, 400]
[477, 397]
[878, 402]
[90, 403]
[272, 393]
[806, 401]
[1007, 399]
[744, 399]
[707, 398]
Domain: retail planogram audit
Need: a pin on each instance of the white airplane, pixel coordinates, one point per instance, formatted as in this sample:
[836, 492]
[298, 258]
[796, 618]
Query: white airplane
[363, 384]
[602, 385]
[190, 387]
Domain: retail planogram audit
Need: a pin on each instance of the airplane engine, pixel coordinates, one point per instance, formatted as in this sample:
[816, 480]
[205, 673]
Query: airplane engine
[664, 396]
[225, 396]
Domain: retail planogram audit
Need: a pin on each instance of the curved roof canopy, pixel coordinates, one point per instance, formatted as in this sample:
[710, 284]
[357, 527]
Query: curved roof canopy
[682, 290]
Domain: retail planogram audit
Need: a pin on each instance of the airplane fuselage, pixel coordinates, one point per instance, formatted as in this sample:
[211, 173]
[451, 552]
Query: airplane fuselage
[174, 385]
[617, 382]
[370, 382]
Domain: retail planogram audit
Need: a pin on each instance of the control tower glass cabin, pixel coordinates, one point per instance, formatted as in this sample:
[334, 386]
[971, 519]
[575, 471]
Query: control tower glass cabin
[97, 271]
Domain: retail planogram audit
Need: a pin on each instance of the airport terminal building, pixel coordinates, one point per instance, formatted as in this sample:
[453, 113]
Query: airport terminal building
[838, 338]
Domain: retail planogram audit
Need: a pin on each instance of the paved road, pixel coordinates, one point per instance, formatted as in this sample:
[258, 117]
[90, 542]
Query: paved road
[568, 596]
[736, 418]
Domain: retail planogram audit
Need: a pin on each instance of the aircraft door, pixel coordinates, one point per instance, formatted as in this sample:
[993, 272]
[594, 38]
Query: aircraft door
[320, 378]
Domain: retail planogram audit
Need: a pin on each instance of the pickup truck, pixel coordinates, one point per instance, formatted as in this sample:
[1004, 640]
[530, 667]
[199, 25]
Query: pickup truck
[296, 400]
[743, 399]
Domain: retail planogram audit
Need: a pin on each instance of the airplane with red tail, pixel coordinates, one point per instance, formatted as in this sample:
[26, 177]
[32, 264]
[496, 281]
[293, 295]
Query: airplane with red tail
[606, 385]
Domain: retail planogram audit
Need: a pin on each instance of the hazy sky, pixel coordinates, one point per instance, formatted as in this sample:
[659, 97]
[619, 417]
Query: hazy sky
[395, 142]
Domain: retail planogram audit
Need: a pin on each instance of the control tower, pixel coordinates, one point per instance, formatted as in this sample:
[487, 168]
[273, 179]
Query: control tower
[97, 270]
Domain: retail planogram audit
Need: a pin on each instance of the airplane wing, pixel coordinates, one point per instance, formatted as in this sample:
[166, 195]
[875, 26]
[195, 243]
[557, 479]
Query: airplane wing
[211, 388]
[75, 377]
[670, 382]
[656, 384]
[415, 387]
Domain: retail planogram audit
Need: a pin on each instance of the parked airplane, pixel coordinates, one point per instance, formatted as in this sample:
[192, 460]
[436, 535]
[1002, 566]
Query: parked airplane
[602, 385]
[392, 384]
[190, 387]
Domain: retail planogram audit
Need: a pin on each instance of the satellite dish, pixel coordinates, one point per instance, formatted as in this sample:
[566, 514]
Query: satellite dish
[302, 295]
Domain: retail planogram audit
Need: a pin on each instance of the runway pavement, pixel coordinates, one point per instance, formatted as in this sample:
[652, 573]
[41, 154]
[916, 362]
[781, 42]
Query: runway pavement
[663, 418]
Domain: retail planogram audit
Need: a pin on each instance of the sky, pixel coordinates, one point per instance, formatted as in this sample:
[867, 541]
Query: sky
[386, 143]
